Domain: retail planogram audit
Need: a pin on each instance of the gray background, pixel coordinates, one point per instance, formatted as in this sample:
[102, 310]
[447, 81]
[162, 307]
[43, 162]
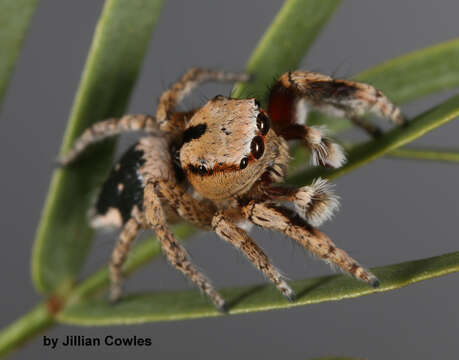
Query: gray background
[392, 210]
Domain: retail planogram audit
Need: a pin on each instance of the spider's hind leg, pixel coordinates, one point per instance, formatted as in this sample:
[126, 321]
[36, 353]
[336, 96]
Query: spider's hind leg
[119, 254]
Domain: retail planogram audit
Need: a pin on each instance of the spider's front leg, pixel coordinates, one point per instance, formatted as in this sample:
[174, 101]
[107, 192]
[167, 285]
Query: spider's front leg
[282, 219]
[231, 233]
[108, 128]
[294, 92]
[175, 253]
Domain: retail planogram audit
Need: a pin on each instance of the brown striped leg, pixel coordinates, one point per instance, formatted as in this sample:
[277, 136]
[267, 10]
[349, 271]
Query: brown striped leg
[119, 254]
[239, 238]
[175, 253]
[342, 98]
[316, 202]
[193, 78]
[198, 212]
[107, 128]
[288, 222]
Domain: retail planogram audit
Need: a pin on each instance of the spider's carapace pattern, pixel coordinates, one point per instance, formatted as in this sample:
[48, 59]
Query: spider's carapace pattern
[219, 167]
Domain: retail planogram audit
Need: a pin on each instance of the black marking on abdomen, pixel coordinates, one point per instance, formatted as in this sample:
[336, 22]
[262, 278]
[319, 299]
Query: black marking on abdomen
[125, 172]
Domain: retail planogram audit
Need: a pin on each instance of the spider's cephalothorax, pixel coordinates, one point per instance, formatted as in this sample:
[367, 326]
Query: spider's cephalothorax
[227, 147]
[219, 166]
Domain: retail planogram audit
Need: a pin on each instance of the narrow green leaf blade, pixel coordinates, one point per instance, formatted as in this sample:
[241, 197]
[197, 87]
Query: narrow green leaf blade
[418, 153]
[285, 43]
[190, 304]
[24, 328]
[371, 150]
[119, 45]
[15, 17]
[418, 73]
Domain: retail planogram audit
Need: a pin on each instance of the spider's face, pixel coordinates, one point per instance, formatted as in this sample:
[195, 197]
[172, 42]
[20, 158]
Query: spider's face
[227, 146]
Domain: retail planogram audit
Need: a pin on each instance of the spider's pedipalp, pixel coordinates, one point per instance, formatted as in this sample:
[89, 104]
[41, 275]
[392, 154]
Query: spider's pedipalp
[107, 128]
[175, 253]
[192, 78]
[317, 202]
[288, 222]
[231, 233]
[324, 151]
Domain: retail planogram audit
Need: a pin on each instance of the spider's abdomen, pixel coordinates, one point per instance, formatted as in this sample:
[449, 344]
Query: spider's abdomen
[121, 192]
[121, 195]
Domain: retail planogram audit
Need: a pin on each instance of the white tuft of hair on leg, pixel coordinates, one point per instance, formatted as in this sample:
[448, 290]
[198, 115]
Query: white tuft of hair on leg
[315, 134]
[324, 151]
[314, 140]
[316, 203]
[336, 156]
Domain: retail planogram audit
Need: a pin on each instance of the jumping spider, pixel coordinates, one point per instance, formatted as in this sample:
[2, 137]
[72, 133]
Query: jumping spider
[218, 167]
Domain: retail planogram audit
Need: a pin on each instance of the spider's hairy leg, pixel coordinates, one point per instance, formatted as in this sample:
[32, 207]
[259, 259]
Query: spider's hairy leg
[119, 254]
[228, 231]
[288, 222]
[324, 151]
[192, 78]
[175, 253]
[316, 203]
[342, 98]
[107, 128]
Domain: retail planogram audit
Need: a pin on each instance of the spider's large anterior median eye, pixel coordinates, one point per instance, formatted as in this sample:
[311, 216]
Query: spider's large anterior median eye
[244, 163]
[263, 123]
[257, 147]
[202, 169]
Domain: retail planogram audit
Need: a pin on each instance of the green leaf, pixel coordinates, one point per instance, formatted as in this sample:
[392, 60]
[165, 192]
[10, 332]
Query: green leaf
[25, 328]
[408, 77]
[285, 42]
[399, 136]
[15, 17]
[418, 153]
[177, 305]
[417, 74]
[120, 42]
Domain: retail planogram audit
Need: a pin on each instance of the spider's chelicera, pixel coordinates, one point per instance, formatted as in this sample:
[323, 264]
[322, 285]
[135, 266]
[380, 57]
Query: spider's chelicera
[219, 168]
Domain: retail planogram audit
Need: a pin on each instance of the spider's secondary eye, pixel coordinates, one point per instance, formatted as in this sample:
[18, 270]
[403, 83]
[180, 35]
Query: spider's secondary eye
[263, 123]
[257, 147]
[244, 163]
[202, 169]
